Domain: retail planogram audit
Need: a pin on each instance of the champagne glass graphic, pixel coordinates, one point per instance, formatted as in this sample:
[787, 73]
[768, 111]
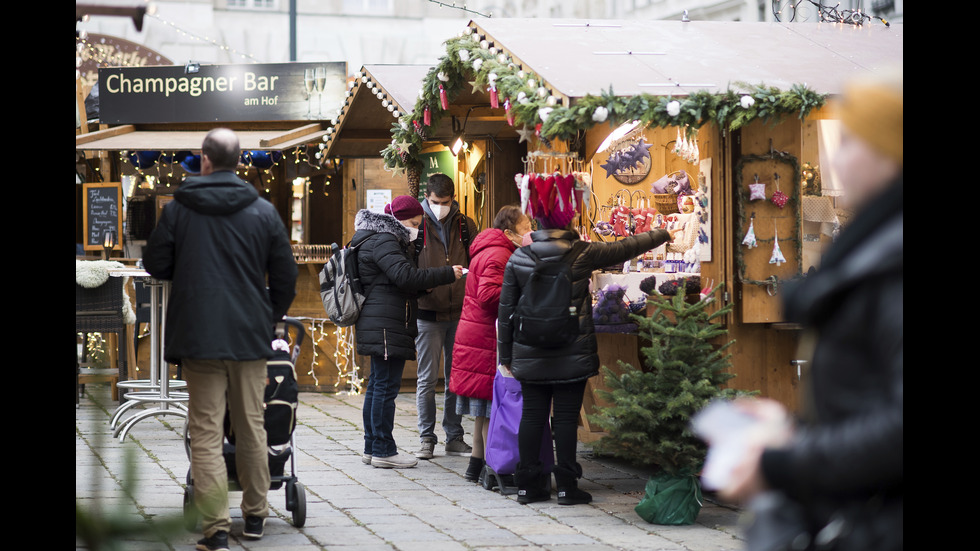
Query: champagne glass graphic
[309, 79]
[320, 80]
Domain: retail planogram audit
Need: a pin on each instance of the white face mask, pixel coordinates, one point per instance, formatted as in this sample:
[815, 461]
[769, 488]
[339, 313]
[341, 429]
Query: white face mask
[412, 233]
[440, 211]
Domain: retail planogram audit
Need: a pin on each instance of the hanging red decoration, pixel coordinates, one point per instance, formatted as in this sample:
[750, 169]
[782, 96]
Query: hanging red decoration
[427, 116]
[494, 100]
[779, 199]
[510, 115]
[443, 98]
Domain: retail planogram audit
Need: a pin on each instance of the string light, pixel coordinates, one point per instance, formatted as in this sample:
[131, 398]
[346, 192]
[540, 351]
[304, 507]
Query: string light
[461, 8]
[349, 378]
[213, 42]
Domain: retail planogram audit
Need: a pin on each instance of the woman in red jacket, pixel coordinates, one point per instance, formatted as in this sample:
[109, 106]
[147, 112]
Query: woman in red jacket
[475, 349]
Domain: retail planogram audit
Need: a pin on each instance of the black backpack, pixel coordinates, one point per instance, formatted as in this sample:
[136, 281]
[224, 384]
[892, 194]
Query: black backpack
[545, 316]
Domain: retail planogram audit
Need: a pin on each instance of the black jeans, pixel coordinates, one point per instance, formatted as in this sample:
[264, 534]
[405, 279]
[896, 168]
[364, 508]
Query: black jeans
[539, 399]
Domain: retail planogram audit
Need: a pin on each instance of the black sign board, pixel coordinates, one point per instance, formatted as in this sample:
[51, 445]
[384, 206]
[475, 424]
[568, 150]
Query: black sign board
[102, 215]
[221, 93]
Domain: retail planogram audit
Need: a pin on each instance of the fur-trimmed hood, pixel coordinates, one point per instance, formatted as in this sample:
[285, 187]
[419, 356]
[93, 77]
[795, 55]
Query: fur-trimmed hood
[367, 222]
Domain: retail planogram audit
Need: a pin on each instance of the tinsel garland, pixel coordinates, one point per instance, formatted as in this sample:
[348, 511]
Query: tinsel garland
[534, 106]
[742, 197]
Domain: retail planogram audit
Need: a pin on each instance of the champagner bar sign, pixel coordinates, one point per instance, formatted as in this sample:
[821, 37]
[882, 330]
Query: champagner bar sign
[220, 93]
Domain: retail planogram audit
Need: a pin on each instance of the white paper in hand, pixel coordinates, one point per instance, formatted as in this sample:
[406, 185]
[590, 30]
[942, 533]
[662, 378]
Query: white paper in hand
[728, 431]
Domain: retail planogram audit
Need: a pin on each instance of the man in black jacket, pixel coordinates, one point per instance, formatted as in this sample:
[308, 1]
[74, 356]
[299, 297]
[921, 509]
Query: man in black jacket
[233, 276]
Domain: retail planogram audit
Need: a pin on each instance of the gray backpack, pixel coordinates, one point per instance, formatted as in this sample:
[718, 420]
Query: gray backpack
[340, 286]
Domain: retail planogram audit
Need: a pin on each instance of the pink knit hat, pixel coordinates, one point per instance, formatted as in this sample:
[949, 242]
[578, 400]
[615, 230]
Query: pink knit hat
[404, 207]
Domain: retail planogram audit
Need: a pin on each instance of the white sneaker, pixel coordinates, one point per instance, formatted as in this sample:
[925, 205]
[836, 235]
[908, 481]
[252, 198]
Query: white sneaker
[366, 459]
[397, 461]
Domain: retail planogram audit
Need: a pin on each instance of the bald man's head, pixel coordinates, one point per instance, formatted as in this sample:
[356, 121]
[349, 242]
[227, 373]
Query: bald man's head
[221, 150]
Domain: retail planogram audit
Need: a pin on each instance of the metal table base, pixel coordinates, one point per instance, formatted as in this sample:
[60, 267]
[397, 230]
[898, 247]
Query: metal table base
[159, 388]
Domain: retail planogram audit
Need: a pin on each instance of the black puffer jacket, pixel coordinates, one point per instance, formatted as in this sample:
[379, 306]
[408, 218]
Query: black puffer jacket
[387, 324]
[578, 361]
[232, 267]
[848, 458]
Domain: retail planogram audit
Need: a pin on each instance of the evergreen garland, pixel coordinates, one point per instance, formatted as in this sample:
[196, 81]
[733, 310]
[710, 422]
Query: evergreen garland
[469, 61]
[649, 421]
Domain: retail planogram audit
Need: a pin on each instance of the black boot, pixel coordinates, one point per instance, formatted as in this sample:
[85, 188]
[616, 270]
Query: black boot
[532, 483]
[473, 470]
[566, 477]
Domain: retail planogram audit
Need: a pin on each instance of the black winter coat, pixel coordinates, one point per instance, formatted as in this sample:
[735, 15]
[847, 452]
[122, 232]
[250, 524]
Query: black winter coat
[227, 252]
[387, 324]
[848, 457]
[580, 360]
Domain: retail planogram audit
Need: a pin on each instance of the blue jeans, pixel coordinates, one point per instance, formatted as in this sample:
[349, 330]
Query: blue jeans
[435, 340]
[379, 406]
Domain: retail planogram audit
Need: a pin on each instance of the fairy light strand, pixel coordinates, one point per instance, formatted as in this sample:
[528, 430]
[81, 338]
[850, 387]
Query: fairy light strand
[461, 8]
[210, 41]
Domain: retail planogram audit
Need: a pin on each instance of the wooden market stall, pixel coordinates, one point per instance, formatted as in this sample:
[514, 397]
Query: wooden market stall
[378, 98]
[280, 157]
[734, 115]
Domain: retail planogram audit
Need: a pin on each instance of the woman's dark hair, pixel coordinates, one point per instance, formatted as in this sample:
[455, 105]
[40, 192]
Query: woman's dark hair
[508, 217]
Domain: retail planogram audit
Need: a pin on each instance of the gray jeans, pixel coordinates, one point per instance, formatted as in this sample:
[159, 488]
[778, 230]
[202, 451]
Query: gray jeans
[435, 342]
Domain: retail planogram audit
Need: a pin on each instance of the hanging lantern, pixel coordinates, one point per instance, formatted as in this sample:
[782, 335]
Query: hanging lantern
[261, 159]
[144, 159]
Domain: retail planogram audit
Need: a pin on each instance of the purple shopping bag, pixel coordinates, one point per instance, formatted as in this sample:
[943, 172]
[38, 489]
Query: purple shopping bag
[501, 453]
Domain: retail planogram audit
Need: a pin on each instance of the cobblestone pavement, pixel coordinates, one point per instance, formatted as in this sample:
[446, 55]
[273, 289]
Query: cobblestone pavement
[139, 483]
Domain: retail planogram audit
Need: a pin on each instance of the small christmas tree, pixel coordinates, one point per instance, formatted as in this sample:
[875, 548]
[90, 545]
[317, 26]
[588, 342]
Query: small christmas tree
[648, 423]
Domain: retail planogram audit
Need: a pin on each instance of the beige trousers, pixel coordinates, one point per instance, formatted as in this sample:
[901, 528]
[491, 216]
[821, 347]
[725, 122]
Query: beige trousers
[214, 386]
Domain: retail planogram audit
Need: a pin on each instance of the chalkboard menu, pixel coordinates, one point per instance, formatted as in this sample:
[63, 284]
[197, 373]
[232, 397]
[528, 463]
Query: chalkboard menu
[102, 214]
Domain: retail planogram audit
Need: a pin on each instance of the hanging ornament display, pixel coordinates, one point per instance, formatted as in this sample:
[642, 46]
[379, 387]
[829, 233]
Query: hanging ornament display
[494, 100]
[778, 197]
[757, 190]
[777, 257]
[750, 240]
[629, 162]
[427, 116]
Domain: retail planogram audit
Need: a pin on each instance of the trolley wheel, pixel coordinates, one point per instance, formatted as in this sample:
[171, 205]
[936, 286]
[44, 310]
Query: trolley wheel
[296, 502]
[190, 510]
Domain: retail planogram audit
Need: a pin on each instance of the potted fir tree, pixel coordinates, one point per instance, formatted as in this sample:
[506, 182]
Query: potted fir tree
[648, 421]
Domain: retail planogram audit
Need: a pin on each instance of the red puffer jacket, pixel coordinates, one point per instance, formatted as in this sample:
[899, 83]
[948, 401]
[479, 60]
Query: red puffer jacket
[475, 349]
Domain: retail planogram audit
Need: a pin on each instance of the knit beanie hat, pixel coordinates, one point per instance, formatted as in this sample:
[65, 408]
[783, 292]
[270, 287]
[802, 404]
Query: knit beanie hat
[872, 109]
[404, 207]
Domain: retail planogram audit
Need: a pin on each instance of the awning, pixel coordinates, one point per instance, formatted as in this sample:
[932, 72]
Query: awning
[133, 138]
[363, 127]
[578, 58]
